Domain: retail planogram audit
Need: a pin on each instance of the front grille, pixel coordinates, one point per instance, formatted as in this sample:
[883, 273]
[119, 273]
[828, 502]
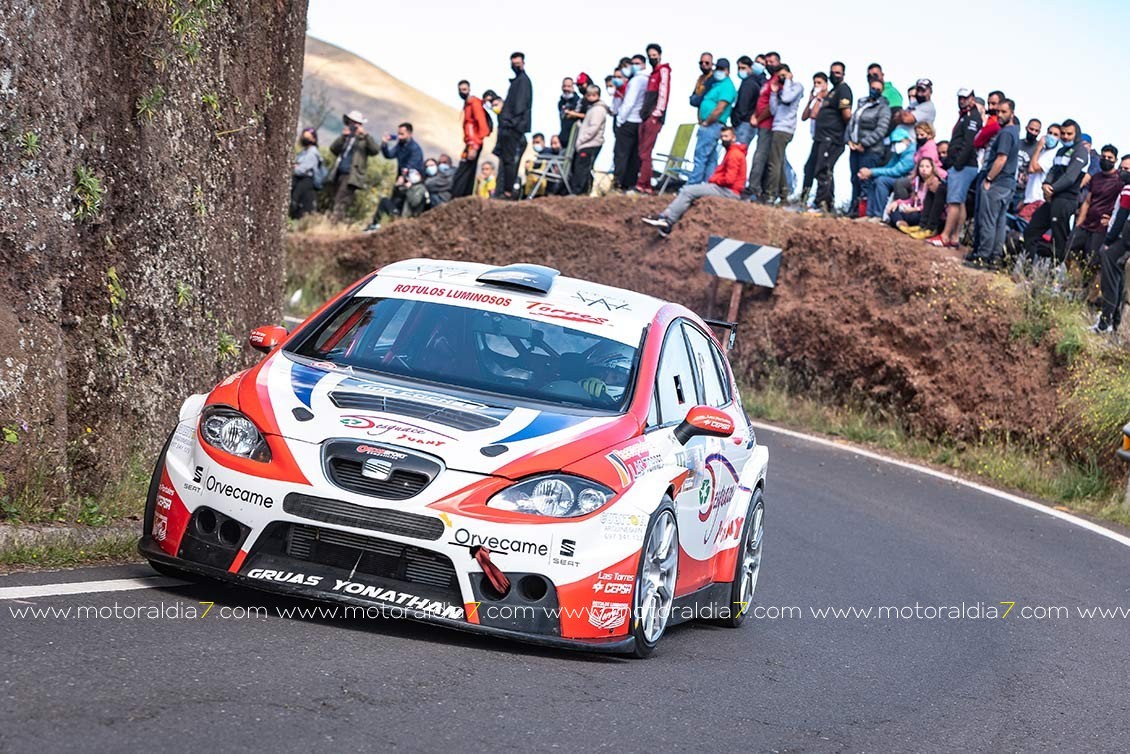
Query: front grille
[341, 513]
[451, 417]
[375, 557]
[346, 473]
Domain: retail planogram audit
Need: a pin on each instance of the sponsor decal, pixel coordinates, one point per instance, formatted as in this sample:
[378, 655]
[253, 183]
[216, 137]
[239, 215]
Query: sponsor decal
[566, 552]
[500, 544]
[607, 588]
[238, 494]
[376, 468]
[194, 486]
[568, 547]
[165, 495]
[622, 526]
[379, 452]
[404, 600]
[422, 396]
[181, 444]
[456, 294]
[284, 577]
[160, 527]
[395, 431]
[552, 312]
[634, 460]
[598, 300]
[730, 532]
[715, 498]
[608, 615]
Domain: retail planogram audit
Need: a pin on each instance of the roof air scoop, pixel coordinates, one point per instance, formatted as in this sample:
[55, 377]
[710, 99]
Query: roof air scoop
[523, 277]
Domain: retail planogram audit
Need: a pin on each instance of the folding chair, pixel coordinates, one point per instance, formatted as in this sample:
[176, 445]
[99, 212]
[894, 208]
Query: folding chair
[554, 168]
[677, 167]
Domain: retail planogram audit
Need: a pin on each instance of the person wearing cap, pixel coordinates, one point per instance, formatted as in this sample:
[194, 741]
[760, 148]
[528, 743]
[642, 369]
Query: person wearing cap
[715, 109]
[961, 166]
[920, 103]
[996, 191]
[306, 165]
[476, 128]
[352, 149]
[1061, 195]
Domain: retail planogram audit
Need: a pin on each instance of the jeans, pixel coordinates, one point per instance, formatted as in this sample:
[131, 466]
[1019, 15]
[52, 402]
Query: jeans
[756, 184]
[777, 182]
[857, 160]
[705, 153]
[878, 192]
[649, 131]
[992, 213]
[745, 133]
[689, 194]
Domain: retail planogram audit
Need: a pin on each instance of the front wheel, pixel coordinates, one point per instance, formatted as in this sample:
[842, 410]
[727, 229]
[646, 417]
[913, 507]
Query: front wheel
[748, 566]
[655, 579]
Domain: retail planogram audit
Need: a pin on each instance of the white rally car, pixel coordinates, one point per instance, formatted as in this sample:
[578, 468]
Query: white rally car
[501, 450]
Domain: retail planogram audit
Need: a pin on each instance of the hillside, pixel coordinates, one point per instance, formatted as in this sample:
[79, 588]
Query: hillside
[335, 81]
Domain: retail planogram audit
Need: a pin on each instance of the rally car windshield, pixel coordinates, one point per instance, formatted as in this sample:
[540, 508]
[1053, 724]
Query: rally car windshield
[478, 350]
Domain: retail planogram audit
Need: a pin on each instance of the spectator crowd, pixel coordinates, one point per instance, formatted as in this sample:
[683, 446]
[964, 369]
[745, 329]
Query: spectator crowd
[1047, 192]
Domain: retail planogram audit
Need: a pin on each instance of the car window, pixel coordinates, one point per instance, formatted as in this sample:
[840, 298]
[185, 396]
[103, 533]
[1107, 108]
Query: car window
[714, 391]
[675, 383]
[477, 349]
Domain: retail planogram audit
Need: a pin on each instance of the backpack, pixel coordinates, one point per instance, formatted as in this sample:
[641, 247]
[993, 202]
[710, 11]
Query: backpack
[320, 174]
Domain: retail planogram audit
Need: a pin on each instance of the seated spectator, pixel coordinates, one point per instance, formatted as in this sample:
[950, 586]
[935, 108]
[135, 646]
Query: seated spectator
[555, 146]
[437, 181]
[877, 182]
[907, 214]
[727, 182]
[486, 182]
[307, 164]
[1114, 258]
[416, 200]
[590, 138]
[538, 147]
[866, 136]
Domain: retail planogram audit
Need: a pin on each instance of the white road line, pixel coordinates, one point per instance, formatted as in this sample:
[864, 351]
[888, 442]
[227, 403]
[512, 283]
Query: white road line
[1023, 501]
[86, 587]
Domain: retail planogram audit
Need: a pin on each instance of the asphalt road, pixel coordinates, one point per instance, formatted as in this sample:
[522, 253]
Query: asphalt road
[841, 532]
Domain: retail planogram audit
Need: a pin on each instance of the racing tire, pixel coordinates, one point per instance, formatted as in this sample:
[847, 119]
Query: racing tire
[147, 520]
[654, 595]
[747, 569]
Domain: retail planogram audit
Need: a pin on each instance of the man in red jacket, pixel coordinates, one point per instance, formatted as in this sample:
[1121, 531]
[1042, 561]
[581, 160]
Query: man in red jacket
[727, 182]
[653, 112]
[475, 130]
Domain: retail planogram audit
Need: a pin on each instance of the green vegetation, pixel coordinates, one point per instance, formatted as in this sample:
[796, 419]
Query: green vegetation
[227, 347]
[112, 546]
[147, 104]
[198, 204]
[211, 101]
[28, 143]
[117, 298]
[88, 193]
[183, 293]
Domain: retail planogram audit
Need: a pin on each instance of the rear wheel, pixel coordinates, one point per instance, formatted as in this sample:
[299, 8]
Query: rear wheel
[655, 581]
[748, 566]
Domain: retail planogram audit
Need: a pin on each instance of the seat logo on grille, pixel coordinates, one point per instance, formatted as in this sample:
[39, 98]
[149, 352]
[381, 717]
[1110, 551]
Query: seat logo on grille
[375, 468]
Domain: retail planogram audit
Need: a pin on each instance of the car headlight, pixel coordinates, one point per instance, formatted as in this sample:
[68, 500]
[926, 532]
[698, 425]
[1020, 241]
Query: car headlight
[556, 495]
[232, 432]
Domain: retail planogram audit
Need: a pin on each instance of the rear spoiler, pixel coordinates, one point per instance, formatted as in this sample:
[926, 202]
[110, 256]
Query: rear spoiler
[724, 325]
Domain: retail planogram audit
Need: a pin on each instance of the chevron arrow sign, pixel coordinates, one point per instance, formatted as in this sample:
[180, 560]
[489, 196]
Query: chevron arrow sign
[745, 262]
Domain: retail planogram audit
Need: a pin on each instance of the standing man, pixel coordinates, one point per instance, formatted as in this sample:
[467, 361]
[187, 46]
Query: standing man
[890, 92]
[513, 125]
[920, 103]
[627, 157]
[1029, 145]
[568, 102]
[712, 113]
[705, 78]
[751, 73]
[784, 99]
[811, 110]
[961, 166]
[352, 149]
[1061, 194]
[828, 140]
[653, 113]
[475, 130]
[590, 138]
[866, 136]
[763, 119]
[996, 192]
[1098, 207]
[1114, 256]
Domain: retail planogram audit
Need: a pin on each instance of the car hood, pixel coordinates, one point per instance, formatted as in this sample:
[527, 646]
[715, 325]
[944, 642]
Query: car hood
[318, 401]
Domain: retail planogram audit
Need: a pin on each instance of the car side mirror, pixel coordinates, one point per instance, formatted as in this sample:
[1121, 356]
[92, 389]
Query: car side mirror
[704, 421]
[267, 337]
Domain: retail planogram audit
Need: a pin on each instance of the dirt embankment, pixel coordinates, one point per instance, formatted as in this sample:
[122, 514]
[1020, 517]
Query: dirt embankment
[860, 313]
[145, 148]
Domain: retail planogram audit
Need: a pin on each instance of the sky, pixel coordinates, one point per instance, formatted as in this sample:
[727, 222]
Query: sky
[1037, 51]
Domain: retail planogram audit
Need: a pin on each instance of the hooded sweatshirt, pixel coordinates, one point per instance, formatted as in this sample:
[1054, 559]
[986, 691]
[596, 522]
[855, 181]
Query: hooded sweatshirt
[591, 133]
[902, 163]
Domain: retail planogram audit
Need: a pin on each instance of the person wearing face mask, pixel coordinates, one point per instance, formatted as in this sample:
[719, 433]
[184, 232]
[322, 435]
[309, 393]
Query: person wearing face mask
[726, 182]
[712, 113]
[476, 128]
[438, 180]
[1029, 141]
[784, 99]
[350, 172]
[1043, 157]
[628, 119]
[1098, 208]
[567, 103]
[513, 125]
[619, 89]
[1061, 195]
[307, 163]
[705, 79]
[828, 135]
[866, 137]
[811, 110]
[537, 146]
[876, 182]
[757, 184]
[890, 91]
[996, 192]
[653, 113]
[590, 138]
[961, 164]
[752, 74]
[919, 102]
[1114, 256]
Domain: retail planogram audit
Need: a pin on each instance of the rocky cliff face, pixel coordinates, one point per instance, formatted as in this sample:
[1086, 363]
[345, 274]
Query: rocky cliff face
[145, 147]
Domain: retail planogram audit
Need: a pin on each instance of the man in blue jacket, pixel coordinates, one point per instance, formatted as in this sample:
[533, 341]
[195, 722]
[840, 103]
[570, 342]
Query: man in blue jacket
[404, 150]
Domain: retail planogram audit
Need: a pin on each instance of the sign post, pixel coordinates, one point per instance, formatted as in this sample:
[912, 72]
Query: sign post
[741, 262]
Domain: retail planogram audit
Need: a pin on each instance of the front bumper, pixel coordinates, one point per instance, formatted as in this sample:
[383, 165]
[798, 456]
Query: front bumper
[150, 550]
